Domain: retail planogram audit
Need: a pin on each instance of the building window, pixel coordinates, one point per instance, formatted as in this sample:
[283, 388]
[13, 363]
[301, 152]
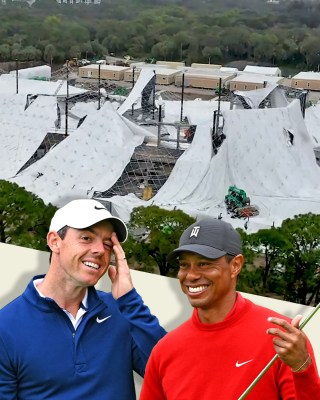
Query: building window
[308, 84]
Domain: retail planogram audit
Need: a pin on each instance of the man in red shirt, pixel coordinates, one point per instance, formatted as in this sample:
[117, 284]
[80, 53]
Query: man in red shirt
[229, 340]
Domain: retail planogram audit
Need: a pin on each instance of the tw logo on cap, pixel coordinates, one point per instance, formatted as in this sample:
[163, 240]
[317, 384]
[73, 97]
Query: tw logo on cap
[195, 231]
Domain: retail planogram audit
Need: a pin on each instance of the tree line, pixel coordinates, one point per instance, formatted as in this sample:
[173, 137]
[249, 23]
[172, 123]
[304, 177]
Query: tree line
[286, 35]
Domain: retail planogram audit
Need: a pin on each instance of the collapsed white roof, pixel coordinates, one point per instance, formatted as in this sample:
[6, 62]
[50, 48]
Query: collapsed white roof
[255, 97]
[22, 131]
[312, 119]
[41, 71]
[281, 179]
[27, 86]
[91, 159]
[144, 77]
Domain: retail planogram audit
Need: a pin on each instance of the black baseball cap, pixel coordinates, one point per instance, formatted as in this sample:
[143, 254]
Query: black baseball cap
[209, 237]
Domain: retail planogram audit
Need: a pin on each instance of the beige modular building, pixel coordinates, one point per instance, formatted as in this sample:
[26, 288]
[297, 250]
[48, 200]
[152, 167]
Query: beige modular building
[128, 75]
[210, 66]
[172, 64]
[306, 80]
[253, 81]
[111, 72]
[204, 79]
[164, 76]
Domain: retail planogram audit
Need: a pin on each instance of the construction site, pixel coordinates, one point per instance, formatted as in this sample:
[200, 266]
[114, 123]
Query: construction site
[152, 146]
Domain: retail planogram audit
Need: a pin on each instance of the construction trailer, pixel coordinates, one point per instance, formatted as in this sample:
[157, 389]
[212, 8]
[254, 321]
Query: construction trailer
[164, 76]
[253, 81]
[131, 73]
[172, 64]
[257, 69]
[111, 72]
[306, 80]
[204, 78]
[210, 66]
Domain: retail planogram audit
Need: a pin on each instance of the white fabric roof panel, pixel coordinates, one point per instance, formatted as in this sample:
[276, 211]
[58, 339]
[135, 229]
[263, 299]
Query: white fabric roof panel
[33, 72]
[312, 120]
[12, 104]
[188, 171]
[281, 179]
[255, 97]
[251, 159]
[91, 159]
[261, 159]
[31, 86]
[22, 136]
[135, 94]
[198, 111]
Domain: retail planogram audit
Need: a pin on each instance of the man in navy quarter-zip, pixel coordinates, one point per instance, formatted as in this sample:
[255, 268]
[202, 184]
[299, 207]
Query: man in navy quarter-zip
[64, 340]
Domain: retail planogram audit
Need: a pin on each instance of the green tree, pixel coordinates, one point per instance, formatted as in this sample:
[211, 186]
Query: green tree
[5, 52]
[86, 50]
[163, 229]
[264, 46]
[249, 280]
[310, 48]
[236, 42]
[98, 49]
[212, 54]
[24, 218]
[271, 243]
[30, 53]
[75, 51]
[301, 275]
[49, 53]
[17, 51]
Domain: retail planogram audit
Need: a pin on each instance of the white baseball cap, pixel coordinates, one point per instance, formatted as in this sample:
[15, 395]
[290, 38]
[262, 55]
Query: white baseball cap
[82, 213]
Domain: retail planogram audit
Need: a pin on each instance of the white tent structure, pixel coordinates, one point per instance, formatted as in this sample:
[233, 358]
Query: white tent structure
[256, 69]
[255, 97]
[22, 131]
[90, 159]
[312, 118]
[280, 177]
[145, 76]
[40, 72]
[8, 85]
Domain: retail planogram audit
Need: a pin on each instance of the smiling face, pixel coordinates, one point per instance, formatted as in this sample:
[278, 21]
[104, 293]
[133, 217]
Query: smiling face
[83, 256]
[210, 285]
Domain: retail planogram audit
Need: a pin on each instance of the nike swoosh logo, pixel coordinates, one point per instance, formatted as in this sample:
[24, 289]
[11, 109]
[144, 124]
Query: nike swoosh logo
[238, 364]
[99, 208]
[102, 319]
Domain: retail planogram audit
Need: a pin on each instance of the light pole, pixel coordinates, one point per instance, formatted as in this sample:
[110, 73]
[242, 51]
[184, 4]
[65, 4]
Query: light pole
[67, 101]
[99, 93]
[17, 80]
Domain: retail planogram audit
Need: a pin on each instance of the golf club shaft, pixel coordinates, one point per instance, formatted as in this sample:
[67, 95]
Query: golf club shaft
[265, 369]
